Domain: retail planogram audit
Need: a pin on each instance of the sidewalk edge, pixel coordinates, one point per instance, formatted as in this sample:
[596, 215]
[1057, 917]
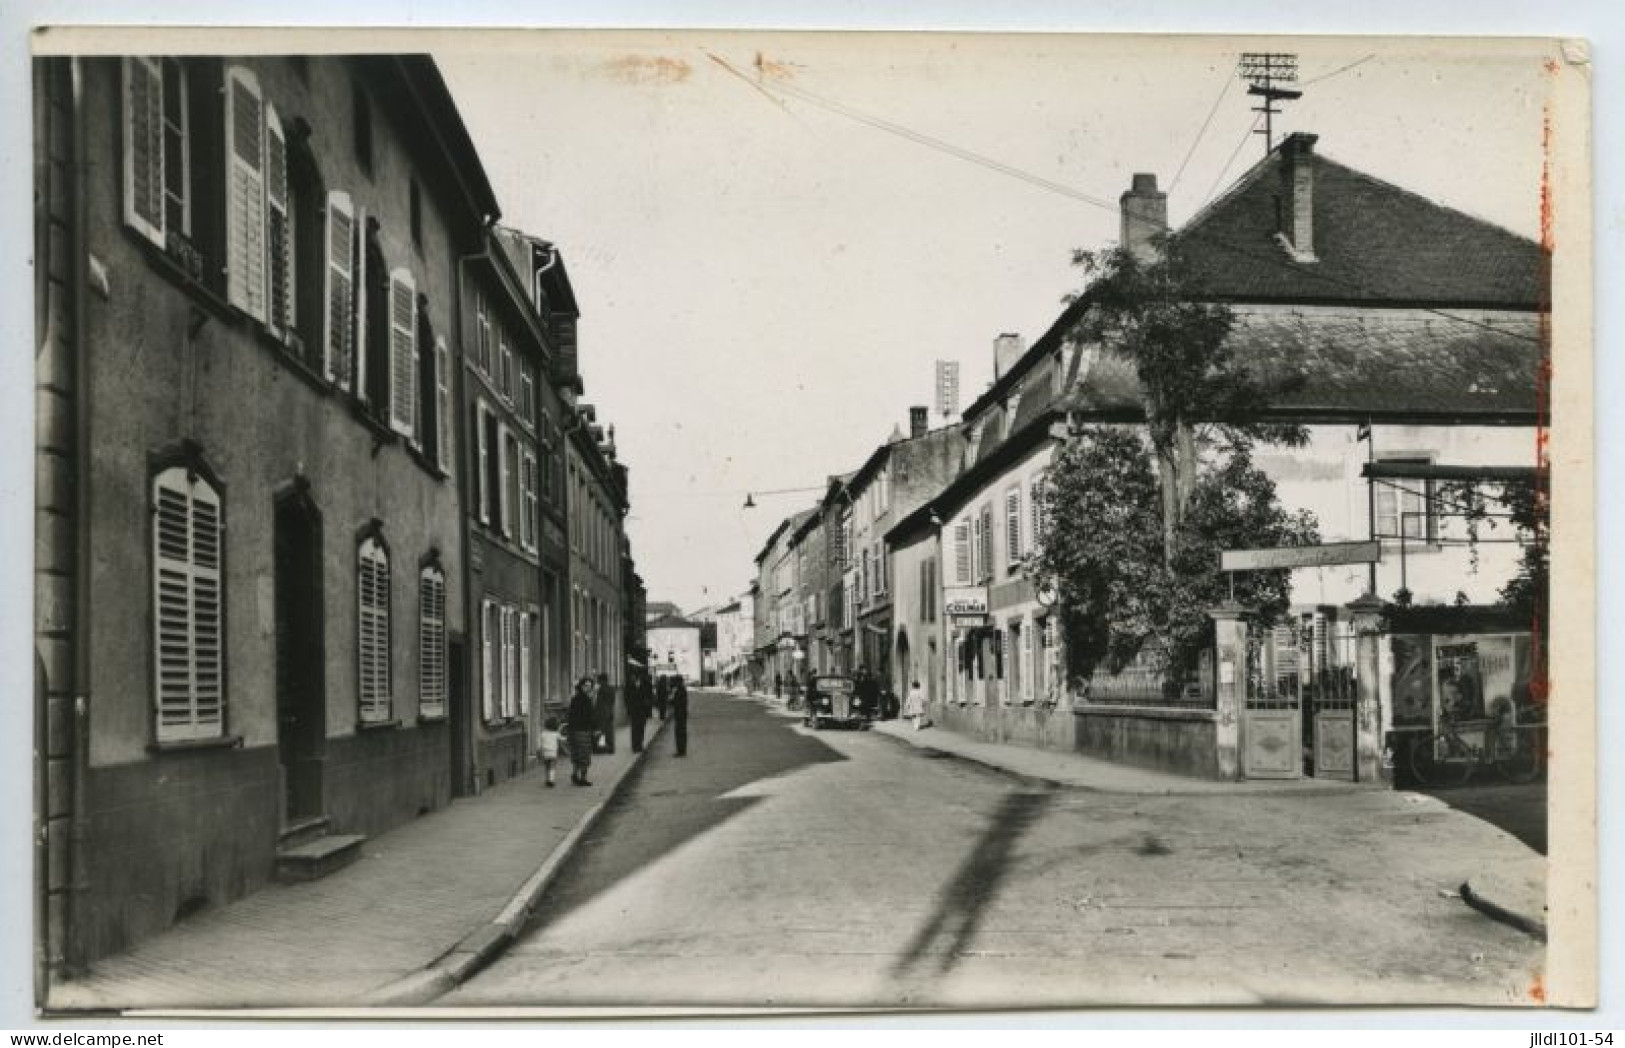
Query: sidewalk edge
[489, 939]
[1530, 926]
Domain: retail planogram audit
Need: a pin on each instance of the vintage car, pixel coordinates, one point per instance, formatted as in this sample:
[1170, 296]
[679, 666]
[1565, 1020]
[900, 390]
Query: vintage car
[835, 700]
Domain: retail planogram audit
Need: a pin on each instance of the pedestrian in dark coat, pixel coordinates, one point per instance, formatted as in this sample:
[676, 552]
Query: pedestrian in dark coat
[637, 707]
[662, 695]
[679, 711]
[581, 727]
[605, 705]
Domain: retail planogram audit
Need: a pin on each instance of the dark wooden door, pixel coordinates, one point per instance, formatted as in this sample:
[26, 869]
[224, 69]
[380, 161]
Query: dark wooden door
[301, 700]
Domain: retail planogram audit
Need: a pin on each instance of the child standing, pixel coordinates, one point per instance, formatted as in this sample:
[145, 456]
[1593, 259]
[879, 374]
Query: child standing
[548, 747]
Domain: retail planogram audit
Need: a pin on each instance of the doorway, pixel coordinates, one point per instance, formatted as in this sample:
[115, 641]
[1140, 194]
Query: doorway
[301, 694]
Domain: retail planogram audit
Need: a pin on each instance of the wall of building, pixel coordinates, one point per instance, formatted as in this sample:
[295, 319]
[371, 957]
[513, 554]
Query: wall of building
[675, 649]
[1324, 478]
[175, 364]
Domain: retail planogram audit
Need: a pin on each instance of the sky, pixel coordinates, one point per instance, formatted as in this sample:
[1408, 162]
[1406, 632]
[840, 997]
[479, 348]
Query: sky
[766, 281]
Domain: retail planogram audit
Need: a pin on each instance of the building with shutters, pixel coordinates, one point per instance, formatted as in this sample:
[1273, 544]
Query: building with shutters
[250, 571]
[1413, 338]
[596, 483]
[513, 493]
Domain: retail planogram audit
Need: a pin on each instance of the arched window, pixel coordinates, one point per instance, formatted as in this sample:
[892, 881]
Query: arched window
[372, 647]
[431, 641]
[188, 607]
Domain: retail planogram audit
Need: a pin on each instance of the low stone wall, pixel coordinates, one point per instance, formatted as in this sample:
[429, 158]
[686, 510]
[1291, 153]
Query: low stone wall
[1177, 740]
[1042, 727]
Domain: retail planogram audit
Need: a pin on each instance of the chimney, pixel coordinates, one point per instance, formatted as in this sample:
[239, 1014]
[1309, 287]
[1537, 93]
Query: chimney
[1297, 207]
[1145, 217]
[1007, 349]
[917, 422]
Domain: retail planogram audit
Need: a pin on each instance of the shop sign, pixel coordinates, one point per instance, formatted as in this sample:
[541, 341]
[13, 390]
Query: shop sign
[965, 601]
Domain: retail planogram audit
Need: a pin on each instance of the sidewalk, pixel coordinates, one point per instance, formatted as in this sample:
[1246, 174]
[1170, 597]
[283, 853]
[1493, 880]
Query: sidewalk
[1077, 770]
[425, 905]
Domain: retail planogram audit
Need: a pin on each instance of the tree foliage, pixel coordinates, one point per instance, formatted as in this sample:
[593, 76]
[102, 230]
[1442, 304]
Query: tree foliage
[1141, 512]
[1117, 588]
[1192, 387]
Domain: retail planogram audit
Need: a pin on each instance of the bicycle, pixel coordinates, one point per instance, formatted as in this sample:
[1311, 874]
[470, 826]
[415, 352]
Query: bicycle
[1450, 755]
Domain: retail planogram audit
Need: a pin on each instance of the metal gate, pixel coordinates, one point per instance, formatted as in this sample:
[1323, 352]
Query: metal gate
[1271, 731]
[1301, 695]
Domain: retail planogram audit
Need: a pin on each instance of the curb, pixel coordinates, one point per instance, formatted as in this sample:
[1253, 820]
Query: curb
[487, 941]
[1241, 788]
[1522, 922]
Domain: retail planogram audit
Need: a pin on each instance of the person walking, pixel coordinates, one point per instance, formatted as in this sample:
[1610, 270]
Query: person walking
[637, 707]
[679, 712]
[778, 685]
[914, 710]
[662, 695]
[604, 706]
[581, 727]
[547, 747]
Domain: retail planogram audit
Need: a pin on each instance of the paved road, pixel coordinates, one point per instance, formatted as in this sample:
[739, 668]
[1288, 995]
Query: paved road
[778, 867]
[1519, 810]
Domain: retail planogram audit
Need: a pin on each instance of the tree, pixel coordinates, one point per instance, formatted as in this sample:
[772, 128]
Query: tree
[1118, 588]
[1192, 388]
[1141, 511]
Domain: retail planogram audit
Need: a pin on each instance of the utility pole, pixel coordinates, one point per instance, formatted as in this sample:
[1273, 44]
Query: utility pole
[1263, 70]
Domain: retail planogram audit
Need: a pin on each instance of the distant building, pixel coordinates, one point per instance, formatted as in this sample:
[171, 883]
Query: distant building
[674, 648]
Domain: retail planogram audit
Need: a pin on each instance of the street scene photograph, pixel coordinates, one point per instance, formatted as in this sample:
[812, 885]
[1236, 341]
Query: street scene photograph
[544, 521]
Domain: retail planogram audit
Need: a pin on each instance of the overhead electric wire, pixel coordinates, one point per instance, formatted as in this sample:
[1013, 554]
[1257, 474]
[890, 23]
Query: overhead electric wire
[1225, 90]
[1338, 71]
[879, 123]
[1225, 170]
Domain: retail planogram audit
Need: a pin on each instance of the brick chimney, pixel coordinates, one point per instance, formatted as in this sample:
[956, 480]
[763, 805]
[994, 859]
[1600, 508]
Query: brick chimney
[1297, 199]
[1145, 217]
[1007, 349]
[917, 421]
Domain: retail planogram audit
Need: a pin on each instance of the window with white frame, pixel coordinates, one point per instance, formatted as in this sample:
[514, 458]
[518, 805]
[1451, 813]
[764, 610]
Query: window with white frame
[509, 655]
[189, 660]
[490, 627]
[245, 192]
[527, 644]
[431, 642]
[372, 599]
[1404, 508]
[342, 262]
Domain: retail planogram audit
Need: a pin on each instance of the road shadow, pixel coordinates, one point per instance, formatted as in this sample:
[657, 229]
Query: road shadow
[940, 942]
[667, 802]
[1516, 809]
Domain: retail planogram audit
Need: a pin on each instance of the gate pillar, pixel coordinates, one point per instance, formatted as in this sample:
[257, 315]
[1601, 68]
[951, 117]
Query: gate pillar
[1366, 613]
[1229, 685]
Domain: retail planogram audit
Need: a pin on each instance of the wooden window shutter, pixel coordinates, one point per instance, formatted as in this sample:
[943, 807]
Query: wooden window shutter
[526, 644]
[505, 469]
[188, 612]
[1035, 510]
[278, 230]
[442, 404]
[481, 482]
[373, 642]
[403, 336]
[144, 147]
[985, 551]
[962, 553]
[245, 193]
[358, 304]
[488, 642]
[1012, 526]
[341, 291]
[508, 650]
[432, 642]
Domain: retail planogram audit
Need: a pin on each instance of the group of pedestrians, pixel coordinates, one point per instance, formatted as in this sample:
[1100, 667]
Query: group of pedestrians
[589, 722]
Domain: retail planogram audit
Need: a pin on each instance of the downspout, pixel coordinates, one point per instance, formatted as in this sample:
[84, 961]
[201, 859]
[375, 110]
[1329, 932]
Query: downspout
[79, 826]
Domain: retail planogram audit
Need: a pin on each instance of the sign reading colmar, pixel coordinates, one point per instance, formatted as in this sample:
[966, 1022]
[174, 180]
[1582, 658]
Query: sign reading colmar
[965, 600]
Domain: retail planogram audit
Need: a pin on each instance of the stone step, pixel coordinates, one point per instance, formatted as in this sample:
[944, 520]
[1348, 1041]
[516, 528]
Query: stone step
[316, 859]
[303, 831]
